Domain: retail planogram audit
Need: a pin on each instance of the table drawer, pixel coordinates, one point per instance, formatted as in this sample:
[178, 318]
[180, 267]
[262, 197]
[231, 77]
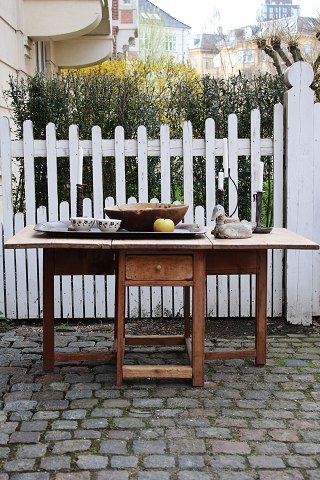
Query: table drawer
[159, 267]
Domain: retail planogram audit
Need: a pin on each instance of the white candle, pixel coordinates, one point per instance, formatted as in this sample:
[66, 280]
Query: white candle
[220, 181]
[260, 177]
[225, 157]
[80, 166]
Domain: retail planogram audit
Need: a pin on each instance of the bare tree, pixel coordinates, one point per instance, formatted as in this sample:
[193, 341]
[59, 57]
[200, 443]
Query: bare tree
[282, 43]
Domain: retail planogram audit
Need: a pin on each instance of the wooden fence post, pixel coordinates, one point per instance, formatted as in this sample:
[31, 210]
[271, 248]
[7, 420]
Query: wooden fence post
[299, 189]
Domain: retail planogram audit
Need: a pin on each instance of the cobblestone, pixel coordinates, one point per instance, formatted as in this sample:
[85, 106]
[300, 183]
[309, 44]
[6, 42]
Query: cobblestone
[92, 462]
[71, 446]
[124, 461]
[247, 423]
[24, 437]
[55, 463]
[113, 446]
[19, 465]
[31, 451]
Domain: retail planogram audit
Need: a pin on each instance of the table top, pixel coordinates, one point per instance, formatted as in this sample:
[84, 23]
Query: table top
[29, 238]
[279, 238]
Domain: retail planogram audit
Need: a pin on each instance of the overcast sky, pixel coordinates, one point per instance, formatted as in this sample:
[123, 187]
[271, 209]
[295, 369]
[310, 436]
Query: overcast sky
[233, 12]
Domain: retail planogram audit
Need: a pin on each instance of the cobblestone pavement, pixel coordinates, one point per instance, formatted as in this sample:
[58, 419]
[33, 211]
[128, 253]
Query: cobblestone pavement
[247, 423]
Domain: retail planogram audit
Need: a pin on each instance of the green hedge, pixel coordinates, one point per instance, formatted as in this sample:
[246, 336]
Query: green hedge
[140, 94]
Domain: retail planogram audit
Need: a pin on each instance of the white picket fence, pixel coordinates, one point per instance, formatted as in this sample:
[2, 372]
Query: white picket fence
[93, 296]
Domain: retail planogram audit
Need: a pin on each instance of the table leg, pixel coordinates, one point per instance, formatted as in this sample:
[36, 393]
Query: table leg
[261, 307]
[198, 327]
[186, 291]
[119, 319]
[115, 327]
[48, 309]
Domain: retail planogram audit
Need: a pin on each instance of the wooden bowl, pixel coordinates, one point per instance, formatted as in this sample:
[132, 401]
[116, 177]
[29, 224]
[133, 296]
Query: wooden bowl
[140, 217]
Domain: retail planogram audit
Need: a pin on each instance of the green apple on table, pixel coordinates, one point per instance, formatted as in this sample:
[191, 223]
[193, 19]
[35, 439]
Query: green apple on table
[163, 225]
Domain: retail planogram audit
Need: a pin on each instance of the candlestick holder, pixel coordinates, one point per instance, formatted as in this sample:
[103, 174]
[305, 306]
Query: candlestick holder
[259, 228]
[79, 200]
[221, 197]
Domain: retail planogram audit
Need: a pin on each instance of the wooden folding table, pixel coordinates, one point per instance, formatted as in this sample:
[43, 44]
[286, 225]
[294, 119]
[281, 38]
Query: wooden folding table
[165, 262]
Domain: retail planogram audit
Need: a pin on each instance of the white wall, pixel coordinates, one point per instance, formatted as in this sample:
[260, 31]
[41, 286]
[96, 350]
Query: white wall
[13, 52]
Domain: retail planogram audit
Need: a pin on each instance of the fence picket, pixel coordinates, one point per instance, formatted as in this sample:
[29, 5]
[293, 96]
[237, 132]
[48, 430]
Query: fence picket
[165, 164]
[276, 263]
[9, 267]
[97, 180]
[30, 194]
[53, 208]
[120, 165]
[187, 143]
[188, 171]
[73, 162]
[88, 280]
[253, 295]
[52, 177]
[301, 191]
[143, 197]
[142, 165]
[154, 294]
[210, 168]
[21, 269]
[234, 280]
[97, 173]
[77, 280]
[255, 157]
[66, 284]
[133, 292]
[223, 296]
[316, 202]
[210, 158]
[41, 217]
[10, 297]
[110, 280]
[245, 295]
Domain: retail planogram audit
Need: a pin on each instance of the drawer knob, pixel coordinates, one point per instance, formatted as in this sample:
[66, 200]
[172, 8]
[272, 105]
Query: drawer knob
[158, 268]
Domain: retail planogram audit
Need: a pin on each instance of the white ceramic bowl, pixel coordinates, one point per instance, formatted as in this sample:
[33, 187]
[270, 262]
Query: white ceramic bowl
[108, 225]
[82, 223]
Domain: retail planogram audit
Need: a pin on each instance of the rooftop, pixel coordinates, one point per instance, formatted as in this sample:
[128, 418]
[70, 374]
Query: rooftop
[149, 11]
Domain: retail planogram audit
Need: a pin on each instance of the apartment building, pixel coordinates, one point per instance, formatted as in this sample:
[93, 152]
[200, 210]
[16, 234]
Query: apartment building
[46, 35]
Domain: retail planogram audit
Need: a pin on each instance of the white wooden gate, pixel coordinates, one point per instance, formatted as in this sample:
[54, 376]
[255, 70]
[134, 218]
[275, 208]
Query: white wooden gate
[93, 297]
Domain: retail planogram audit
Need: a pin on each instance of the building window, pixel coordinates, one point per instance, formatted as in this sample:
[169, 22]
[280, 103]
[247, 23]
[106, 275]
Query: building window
[207, 62]
[245, 56]
[217, 61]
[171, 42]
[150, 16]
[308, 50]
[41, 57]
[144, 39]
